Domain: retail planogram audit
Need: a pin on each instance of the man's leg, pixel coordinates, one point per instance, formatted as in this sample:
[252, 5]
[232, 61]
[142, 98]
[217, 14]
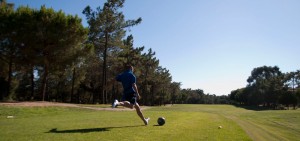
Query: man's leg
[131, 105]
[126, 104]
[139, 112]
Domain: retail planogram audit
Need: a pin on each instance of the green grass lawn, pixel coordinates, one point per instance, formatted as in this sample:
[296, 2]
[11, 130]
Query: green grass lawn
[183, 122]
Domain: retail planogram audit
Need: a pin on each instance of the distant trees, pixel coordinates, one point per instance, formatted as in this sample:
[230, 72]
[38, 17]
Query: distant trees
[38, 48]
[106, 32]
[8, 49]
[198, 96]
[48, 55]
[269, 87]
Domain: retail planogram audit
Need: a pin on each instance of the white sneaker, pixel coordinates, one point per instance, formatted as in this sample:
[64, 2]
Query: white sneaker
[147, 121]
[116, 102]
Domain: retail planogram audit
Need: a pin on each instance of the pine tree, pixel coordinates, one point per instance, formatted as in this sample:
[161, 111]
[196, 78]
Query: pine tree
[107, 28]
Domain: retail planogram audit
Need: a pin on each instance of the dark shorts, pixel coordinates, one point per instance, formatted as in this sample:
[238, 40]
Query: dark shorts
[129, 97]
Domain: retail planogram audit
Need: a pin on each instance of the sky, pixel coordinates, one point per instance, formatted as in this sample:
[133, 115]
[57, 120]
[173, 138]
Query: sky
[211, 45]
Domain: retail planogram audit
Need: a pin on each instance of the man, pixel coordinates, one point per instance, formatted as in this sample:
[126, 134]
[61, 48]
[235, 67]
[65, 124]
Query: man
[130, 92]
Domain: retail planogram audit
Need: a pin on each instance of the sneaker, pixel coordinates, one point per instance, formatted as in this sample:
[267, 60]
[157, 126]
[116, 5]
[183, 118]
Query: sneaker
[115, 104]
[147, 121]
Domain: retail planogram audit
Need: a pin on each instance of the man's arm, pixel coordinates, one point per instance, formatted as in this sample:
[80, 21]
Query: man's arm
[136, 91]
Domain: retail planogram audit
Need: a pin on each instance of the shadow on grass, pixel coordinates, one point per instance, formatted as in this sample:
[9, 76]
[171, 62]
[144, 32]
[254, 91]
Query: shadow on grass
[254, 108]
[88, 130]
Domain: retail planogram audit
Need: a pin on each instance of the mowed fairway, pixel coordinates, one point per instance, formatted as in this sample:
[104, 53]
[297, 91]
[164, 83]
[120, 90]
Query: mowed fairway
[183, 122]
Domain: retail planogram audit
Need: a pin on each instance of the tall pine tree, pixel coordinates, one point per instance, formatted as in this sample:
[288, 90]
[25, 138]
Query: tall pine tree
[107, 28]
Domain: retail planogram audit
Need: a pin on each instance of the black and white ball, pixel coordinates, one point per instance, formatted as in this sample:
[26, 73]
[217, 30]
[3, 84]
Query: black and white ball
[161, 121]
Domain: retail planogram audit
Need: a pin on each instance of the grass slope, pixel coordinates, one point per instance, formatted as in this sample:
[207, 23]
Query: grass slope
[183, 122]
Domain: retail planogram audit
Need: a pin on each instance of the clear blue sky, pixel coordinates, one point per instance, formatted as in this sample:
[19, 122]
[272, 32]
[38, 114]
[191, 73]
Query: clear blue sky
[212, 45]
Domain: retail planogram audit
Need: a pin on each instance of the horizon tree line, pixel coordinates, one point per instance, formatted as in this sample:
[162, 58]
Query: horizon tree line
[269, 87]
[48, 55]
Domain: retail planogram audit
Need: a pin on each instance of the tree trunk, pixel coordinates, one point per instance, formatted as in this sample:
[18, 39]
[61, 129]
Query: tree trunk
[44, 82]
[104, 83]
[93, 97]
[32, 83]
[152, 95]
[9, 76]
[145, 88]
[58, 92]
[73, 82]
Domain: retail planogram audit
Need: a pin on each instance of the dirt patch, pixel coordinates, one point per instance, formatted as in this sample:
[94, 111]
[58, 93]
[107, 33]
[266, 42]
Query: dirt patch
[57, 104]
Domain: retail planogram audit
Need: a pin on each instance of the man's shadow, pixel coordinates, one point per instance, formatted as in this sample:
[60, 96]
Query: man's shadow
[87, 130]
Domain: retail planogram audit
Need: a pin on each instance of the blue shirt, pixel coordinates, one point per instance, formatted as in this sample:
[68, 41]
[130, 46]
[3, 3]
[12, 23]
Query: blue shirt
[127, 78]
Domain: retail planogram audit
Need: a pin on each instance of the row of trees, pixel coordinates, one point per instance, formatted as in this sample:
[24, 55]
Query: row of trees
[48, 55]
[37, 47]
[268, 86]
[198, 96]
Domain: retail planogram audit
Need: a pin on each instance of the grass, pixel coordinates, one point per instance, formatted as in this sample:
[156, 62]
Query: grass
[183, 122]
[260, 125]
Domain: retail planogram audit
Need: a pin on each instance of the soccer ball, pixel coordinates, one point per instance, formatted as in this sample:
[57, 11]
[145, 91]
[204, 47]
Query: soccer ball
[161, 121]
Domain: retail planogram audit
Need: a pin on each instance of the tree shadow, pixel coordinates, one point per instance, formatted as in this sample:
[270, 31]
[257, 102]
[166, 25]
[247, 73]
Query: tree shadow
[254, 108]
[88, 130]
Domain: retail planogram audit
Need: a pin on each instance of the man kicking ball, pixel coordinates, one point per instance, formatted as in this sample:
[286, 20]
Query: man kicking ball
[130, 92]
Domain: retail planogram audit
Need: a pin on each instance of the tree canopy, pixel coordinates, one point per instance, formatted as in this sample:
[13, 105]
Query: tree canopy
[269, 87]
[48, 55]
